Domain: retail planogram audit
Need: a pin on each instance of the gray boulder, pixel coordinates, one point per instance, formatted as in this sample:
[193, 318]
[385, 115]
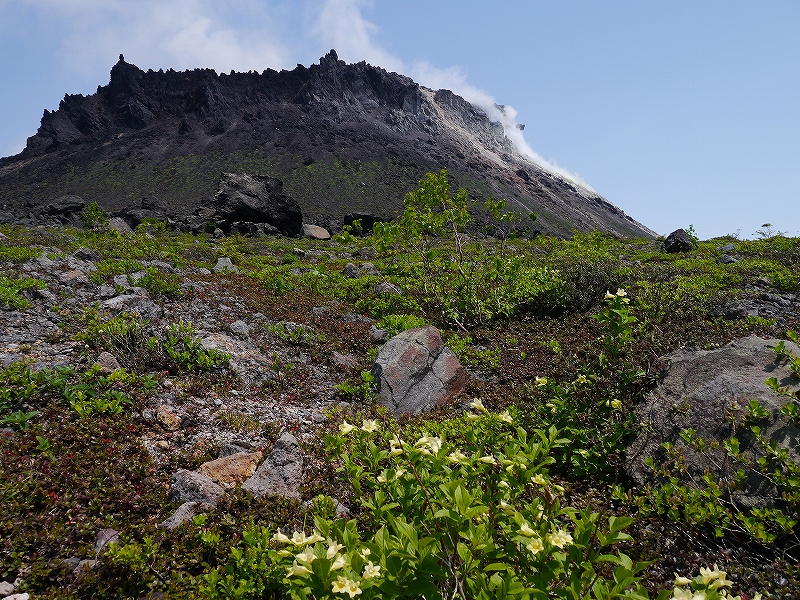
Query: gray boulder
[415, 371]
[225, 264]
[133, 303]
[351, 271]
[184, 513]
[66, 205]
[709, 392]
[281, 473]
[119, 224]
[191, 486]
[257, 199]
[679, 241]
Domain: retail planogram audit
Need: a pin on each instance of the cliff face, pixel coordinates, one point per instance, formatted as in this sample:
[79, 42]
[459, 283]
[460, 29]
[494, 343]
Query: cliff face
[343, 138]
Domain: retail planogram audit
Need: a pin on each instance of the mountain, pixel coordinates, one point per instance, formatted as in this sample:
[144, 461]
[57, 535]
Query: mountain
[343, 138]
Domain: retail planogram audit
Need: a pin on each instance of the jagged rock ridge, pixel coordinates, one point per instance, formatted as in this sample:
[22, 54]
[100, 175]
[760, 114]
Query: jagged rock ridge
[342, 137]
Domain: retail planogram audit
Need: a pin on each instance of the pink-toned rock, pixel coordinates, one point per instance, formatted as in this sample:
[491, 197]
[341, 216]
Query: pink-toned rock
[108, 363]
[415, 371]
[167, 419]
[316, 232]
[230, 471]
[73, 277]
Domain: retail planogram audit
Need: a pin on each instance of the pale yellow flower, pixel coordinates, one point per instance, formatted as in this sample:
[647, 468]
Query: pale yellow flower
[503, 483]
[560, 538]
[621, 293]
[681, 594]
[457, 457]
[314, 538]
[506, 507]
[371, 571]
[340, 584]
[539, 478]
[399, 473]
[307, 556]
[369, 425]
[471, 416]
[581, 379]
[429, 444]
[526, 530]
[709, 575]
[506, 417]
[333, 549]
[682, 580]
[365, 553]
[382, 477]
[299, 539]
[477, 404]
[609, 295]
[616, 403]
[541, 381]
[535, 545]
[488, 459]
[297, 569]
[346, 428]
[339, 562]
[352, 588]
[281, 537]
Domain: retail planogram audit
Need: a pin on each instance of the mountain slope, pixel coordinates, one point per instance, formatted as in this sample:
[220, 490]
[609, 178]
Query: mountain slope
[343, 138]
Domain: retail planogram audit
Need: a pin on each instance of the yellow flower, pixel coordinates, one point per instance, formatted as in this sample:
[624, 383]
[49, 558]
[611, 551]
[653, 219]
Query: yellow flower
[560, 538]
[471, 416]
[396, 446]
[369, 426]
[541, 381]
[609, 295]
[333, 549]
[371, 571]
[431, 444]
[382, 477]
[682, 580]
[616, 403]
[477, 404]
[708, 575]
[281, 537]
[539, 478]
[621, 293]
[353, 588]
[365, 553]
[505, 417]
[581, 379]
[296, 569]
[399, 473]
[307, 556]
[340, 584]
[488, 459]
[314, 538]
[535, 545]
[503, 483]
[339, 562]
[346, 428]
[506, 507]
[681, 594]
[457, 457]
[526, 530]
[299, 539]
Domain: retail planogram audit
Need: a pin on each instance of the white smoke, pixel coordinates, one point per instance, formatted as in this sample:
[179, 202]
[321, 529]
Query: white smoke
[342, 25]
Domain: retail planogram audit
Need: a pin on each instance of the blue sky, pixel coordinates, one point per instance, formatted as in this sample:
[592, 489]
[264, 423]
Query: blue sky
[679, 113]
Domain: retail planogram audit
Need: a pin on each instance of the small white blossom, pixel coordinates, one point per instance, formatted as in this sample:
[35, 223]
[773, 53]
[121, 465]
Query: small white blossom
[369, 426]
[477, 404]
[345, 428]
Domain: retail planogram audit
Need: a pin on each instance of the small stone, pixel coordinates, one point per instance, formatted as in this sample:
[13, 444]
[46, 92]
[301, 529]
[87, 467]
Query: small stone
[727, 259]
[344, 361]
[6, 588]
[73, 277]
[184, 513]
[281, 473]
[191, 486]
[299, 252]
[384, 288]
[318, 417]
[316, 232]
[240, 328]
[218, 233]
[230, 448]
[167, 419]
[119, 224]
[351, 271]
[162, 444]
[225, 264]
[104, 538]
[369, 269]
[377, 334]
[23, 596]
[203, 271]
[230, 471]
[84, 253]
[106, 291]
[107, 362]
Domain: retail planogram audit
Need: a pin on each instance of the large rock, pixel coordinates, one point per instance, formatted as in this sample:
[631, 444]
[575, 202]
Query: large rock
[316, 232]
[133, 303]
[257, 199]
[415, 371]
[701, 390]
[66, 205]
[282, 473]
[679, 241]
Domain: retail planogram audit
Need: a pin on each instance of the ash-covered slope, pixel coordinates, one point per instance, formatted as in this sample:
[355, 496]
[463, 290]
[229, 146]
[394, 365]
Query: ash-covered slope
[343, 138]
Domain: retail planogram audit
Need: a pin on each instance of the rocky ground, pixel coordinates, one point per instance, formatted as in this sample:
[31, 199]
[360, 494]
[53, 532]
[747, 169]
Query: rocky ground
[295, 358]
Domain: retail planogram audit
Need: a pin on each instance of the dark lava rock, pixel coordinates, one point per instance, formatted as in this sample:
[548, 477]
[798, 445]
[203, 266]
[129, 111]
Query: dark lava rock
[257, 199]
[415, 371]
[679, 241]
[66, 205]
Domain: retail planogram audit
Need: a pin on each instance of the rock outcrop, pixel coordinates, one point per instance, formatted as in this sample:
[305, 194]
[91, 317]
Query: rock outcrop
[257, 199]
[709, 392]
[415, 371]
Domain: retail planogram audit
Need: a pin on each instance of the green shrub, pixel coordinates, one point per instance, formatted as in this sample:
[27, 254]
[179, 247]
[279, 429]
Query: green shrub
[160, 284]
[93, 216]
[180, 351]
[395, 324]
[10, 288]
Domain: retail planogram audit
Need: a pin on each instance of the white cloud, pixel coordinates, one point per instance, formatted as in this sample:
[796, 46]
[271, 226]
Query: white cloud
[156, 34]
